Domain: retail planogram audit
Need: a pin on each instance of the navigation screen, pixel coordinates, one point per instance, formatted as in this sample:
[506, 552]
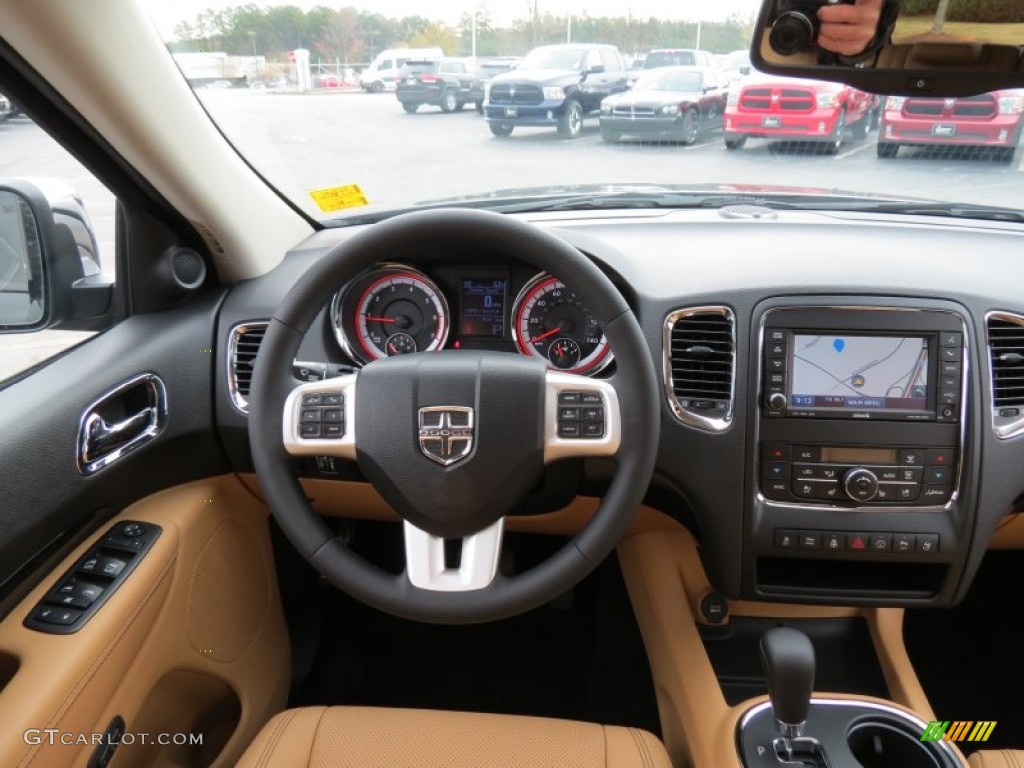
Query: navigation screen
[859, 372]
[483, 307]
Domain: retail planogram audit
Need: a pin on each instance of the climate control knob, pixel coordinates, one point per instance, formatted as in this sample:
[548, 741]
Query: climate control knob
[860, 484]
[777, 401]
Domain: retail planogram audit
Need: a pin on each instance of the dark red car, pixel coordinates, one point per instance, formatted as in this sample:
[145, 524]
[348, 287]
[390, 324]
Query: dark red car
[791, 109]
[987, 120]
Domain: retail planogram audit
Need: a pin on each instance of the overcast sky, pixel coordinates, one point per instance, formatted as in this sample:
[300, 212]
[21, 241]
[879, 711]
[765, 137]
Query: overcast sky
[167, 13]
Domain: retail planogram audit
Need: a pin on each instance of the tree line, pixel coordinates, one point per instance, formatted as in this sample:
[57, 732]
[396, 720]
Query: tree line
[355, 36]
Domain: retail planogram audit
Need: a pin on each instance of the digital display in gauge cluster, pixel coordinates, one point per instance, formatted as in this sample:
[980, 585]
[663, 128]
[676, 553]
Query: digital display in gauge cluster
[484, 307]
[395, 309]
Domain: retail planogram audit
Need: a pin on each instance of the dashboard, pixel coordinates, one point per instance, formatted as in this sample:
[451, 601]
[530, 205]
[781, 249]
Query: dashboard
[838, 426]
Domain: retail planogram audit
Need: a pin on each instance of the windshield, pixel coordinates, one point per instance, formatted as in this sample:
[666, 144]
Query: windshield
[669, 81]
[669, 59]
[554, 58]
[292, 89]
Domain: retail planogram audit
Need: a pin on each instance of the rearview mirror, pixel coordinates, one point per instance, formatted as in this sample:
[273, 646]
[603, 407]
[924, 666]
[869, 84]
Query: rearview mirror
[49, 260]
[900, 47]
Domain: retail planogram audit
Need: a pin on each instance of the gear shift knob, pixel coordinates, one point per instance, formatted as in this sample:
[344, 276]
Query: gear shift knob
[787, 657]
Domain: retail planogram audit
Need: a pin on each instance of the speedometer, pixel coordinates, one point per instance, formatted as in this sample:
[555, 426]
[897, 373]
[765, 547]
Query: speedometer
[389, 311]
[550, 322]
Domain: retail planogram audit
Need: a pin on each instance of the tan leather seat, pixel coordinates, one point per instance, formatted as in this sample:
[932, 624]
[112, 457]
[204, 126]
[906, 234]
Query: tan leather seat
[997, 758]
[367, 737]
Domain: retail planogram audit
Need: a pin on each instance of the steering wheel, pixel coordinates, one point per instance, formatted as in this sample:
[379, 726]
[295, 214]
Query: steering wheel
[452, 440]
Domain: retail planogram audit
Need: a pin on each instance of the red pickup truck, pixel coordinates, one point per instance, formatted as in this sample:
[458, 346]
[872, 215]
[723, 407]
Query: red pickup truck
[988, 120]
[793, 109]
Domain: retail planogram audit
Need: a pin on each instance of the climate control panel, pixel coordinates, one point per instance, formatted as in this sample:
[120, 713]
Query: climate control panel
[858, 475]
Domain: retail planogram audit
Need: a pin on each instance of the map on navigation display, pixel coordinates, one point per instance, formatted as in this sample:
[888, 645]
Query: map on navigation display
[859, 372]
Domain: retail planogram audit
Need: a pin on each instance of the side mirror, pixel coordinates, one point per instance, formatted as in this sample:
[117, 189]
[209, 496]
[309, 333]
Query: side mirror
[744, 70]
[909, 52]
[49, 261]
[596, 69]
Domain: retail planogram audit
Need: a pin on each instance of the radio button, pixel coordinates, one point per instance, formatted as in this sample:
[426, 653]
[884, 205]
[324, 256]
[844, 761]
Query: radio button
[912, 457]
[776, 364]
[807, 453]
[776, 335]
[949, 354]
[940, 457]
[776, 348]
[777, 401]
[950, 368]
[950, 339]
[949, 383]
[949, 398]
[777, 381]
[860, 484]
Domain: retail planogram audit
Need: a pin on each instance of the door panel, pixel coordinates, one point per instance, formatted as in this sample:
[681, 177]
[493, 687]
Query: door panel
[44, 500]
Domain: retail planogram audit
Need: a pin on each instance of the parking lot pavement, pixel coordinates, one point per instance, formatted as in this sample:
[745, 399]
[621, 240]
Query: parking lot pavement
[307, 142]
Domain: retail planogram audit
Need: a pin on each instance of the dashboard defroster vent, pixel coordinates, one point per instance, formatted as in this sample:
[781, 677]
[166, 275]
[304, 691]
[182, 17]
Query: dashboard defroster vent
[700, 366]
[1006, 360]
[243, 345]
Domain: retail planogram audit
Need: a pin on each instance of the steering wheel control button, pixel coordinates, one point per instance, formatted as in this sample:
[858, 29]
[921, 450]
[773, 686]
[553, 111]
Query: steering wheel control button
[860, 484]
[581, 415]
[928, 543]
[310, 431]
[313, 400]
[310, 416]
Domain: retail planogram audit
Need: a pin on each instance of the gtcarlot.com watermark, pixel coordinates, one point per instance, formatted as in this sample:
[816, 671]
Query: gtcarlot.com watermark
[54, 736]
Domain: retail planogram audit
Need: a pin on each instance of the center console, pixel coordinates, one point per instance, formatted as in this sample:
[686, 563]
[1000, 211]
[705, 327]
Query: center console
[859, 445]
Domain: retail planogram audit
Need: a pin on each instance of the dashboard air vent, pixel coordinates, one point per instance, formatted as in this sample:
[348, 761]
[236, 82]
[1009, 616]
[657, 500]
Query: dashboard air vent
[700, 365]
[1006, 360]
[242, 348]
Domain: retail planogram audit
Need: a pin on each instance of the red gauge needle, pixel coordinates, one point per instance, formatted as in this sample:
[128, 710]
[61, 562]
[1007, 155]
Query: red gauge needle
[371, 319]
[393, 348]
[543, 336]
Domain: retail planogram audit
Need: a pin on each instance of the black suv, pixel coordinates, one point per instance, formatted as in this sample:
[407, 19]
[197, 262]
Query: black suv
[555, 85]
[445, 83]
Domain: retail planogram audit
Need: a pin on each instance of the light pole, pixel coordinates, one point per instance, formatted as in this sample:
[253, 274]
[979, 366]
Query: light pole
[568, 29]
[698, 35]
[474, 32]
[256, 59]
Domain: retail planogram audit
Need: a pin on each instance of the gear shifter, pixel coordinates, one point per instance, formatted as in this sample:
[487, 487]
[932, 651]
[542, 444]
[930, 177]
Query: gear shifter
[787, 657]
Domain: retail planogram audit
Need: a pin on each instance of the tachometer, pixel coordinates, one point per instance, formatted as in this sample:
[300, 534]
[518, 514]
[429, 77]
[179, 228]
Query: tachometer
[393, 310]
[550, 322]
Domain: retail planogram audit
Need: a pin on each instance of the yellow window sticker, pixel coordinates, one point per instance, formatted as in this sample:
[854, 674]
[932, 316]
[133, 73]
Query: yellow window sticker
[339, 198]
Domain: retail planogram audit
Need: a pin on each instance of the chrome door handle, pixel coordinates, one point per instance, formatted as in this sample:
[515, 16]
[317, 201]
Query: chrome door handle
[102, 441]
[101, 437]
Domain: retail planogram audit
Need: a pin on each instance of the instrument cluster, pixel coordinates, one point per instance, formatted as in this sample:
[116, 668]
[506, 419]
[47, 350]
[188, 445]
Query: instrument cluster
[396, 309]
